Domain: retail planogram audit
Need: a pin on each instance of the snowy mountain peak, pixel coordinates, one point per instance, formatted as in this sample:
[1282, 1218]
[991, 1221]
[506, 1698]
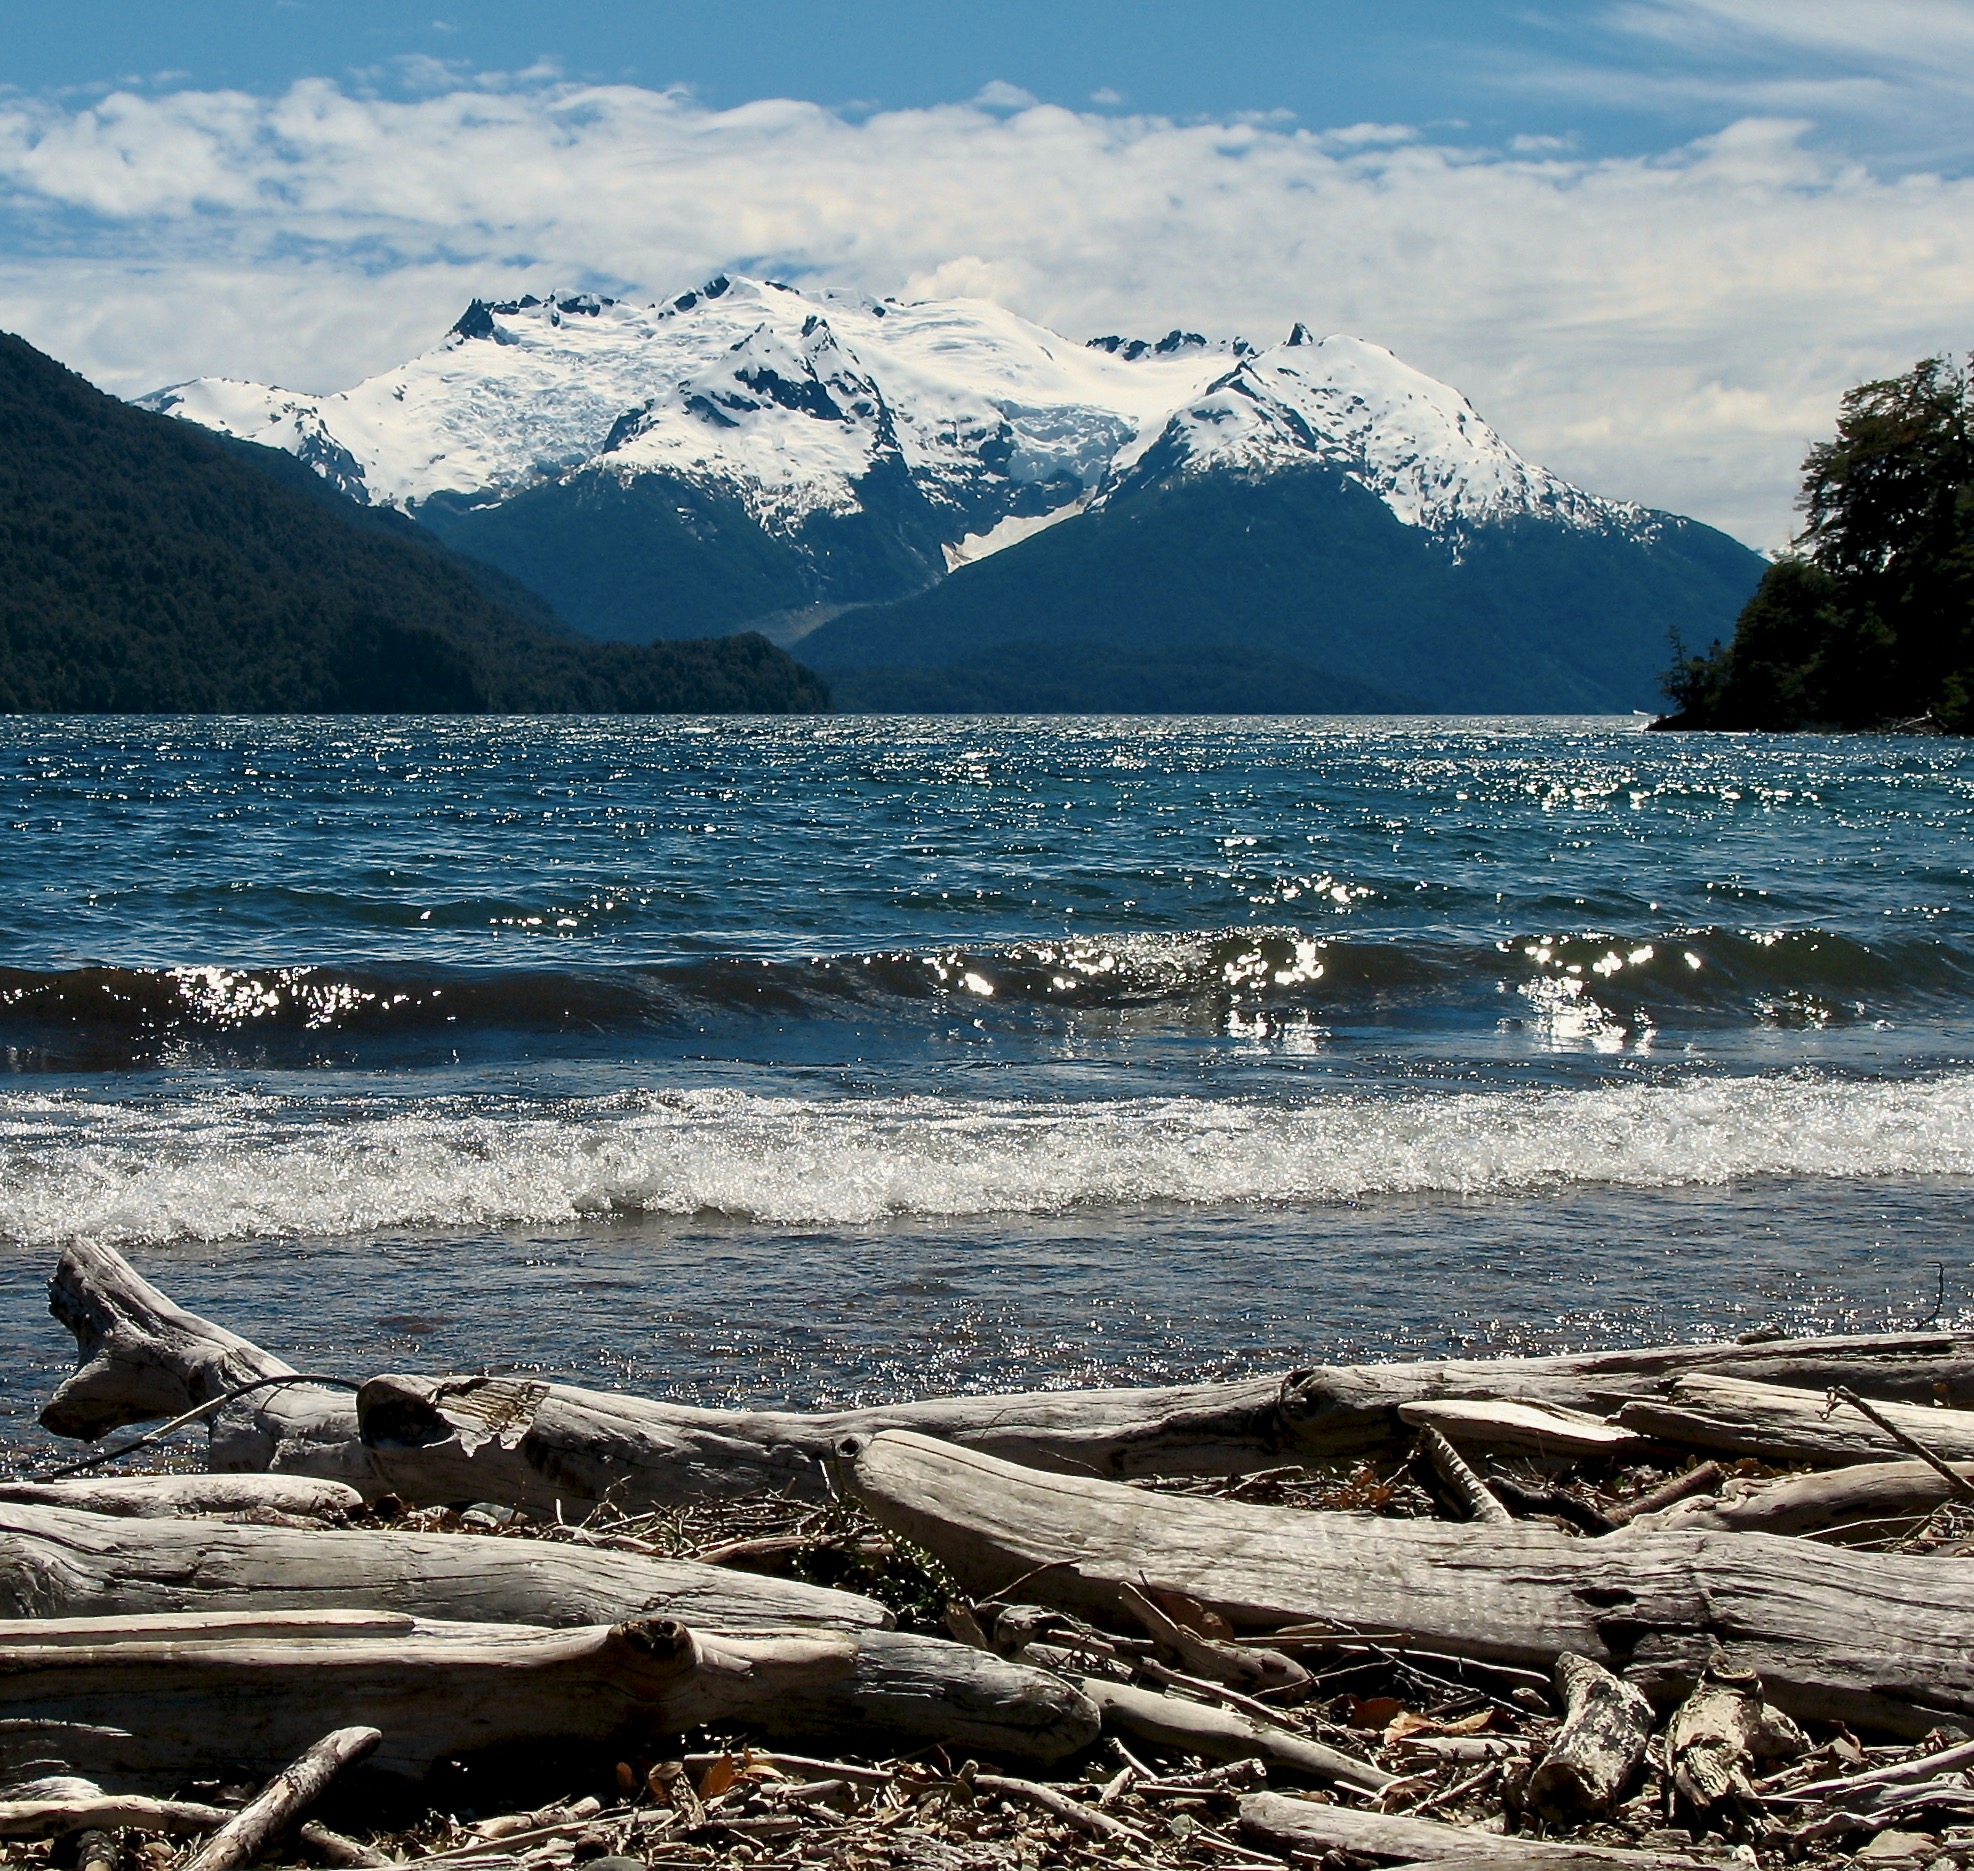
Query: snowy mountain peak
[793, 400]
[1351, 405]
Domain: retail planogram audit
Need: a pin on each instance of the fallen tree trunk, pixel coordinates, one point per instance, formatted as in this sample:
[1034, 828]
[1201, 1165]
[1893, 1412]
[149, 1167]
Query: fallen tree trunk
[532, 1445]
[1866, 1501]
[173, 1699]
[176, 1497]
[57, 1563]
[1873, 1639]
[1781, 1423]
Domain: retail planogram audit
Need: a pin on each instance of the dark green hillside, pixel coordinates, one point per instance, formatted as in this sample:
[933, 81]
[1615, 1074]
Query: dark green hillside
[658, 557]
[1870, 623]
[1315, 572]
[145, 566]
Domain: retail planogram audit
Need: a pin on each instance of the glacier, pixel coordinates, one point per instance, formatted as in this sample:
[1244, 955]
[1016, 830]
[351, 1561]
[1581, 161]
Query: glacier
[799, 403]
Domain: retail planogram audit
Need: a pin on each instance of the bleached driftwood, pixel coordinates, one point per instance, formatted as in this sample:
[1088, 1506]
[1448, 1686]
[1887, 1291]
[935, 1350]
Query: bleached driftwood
[1523, 1428]
[55, 1562]
[463, 1438]
[168, 1699]
[93, 1810]
[1873, 1639]
[1782, 1423]
[175, 1497]
[1225, 1734]
[1866, 1501]
[276, 1807]
[1339, 1409]
[1722, 1732]
[1291, 1825]
[1607, 1726]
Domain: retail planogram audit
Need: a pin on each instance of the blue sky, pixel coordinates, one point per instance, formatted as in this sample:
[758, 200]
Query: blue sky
[1653, 238]
[1609, 78]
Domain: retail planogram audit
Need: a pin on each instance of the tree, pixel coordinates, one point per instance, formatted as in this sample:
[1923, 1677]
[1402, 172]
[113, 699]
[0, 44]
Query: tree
[1869, 619]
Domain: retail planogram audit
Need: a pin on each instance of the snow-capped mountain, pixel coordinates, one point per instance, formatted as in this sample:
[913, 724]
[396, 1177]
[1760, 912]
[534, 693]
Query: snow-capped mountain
[792, 401]
[944, 505]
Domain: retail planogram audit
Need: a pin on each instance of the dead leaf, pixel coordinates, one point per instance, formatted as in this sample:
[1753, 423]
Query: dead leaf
[1191, 1614]
[718, 1777]
[1373, 1711]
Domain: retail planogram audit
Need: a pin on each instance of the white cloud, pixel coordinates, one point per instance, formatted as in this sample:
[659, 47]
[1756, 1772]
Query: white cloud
[1672, 328]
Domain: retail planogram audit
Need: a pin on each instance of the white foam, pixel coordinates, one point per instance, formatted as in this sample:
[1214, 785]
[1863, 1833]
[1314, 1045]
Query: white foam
[232, 1167]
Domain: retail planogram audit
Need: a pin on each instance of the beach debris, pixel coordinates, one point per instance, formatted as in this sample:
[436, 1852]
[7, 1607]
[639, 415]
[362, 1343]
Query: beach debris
[1214, 1625]
[1607, 1726]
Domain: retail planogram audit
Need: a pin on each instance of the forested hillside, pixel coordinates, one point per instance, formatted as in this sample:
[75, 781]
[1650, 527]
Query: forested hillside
[149, 567]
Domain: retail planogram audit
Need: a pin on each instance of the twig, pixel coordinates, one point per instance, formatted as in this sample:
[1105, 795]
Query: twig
[1958, 1483]
[1069, 1811]
[293, 1790]
[1708, 1478]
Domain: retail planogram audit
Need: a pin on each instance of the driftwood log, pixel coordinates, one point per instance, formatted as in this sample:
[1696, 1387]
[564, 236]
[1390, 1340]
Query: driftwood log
[1290, 1825]
[1607, 1726]
[1867, 1501]
[161, 1700]
[449, 1439]
[1225, 1734]
[55, 1562]
[1782, 1423]
[177, 1497]
[1543, 1429]
[1877, 1640]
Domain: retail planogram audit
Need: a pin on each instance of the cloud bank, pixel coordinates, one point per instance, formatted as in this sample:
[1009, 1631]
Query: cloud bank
[1671, 328]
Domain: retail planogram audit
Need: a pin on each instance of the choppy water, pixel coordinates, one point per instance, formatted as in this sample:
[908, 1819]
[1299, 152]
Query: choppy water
[804, 1060]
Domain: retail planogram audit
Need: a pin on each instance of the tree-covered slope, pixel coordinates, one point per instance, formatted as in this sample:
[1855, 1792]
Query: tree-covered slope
[1870, 622]
[146, 566]
[1311, 569]
[656, 556]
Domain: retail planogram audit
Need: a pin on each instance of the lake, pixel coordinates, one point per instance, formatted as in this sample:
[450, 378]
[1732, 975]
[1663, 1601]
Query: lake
[806, 1061]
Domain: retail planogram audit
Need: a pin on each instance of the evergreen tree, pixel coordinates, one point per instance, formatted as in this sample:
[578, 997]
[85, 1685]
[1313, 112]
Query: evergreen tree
[1870, 618]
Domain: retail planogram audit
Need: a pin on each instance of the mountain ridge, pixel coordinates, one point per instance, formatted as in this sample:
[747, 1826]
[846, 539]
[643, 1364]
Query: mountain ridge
[747, 451]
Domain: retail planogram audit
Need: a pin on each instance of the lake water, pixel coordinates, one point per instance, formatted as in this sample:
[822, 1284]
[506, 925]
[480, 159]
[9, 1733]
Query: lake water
[815, 1060]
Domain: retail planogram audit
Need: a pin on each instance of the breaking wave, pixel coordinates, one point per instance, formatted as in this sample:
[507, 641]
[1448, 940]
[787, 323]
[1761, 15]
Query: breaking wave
[233, 1166]
[1200, 980]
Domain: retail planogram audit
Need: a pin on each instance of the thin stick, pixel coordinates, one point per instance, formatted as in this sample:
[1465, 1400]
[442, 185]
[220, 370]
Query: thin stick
[1070, 1811]
[293, 1790]
[1960, 1485]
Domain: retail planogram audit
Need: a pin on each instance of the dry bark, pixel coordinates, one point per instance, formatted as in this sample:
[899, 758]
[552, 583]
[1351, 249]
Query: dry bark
[440, 1440]
[171, 1497]
[1225, 1734]
[283, 1800]
[1468, 1490]
[1607, 1726]
[55, 1562]
[1782, 1423]
[1544, 1429]
[1723, 1730]
[107, 1812]
[1292, 1825]
[1863, 1502]
[1872, 1639]
[174, 1699]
